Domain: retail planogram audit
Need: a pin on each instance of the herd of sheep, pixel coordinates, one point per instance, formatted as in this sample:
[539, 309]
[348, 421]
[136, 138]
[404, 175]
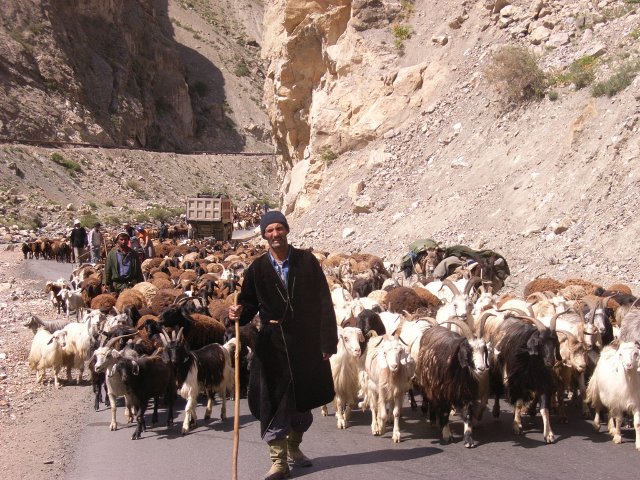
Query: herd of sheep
[455, 341]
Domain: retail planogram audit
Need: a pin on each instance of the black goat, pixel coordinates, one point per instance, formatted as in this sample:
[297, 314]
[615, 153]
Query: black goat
[208, 368]
[199, 330]
[449, 369]
[146, 378]
[524, 367]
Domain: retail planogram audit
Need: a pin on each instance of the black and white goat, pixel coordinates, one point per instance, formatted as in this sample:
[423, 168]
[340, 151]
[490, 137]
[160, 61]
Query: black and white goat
[208, 369]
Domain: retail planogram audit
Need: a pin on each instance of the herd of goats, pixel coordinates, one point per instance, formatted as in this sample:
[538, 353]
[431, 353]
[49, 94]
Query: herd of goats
[454, 340]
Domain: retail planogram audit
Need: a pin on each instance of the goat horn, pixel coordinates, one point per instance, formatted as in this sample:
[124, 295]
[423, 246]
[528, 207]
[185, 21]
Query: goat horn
[515, 310]
[483, 319]
[451, 285]
[569, 335]
[536, 297]
[466, 330]
[552, 323]
[179, 336]
[113, 341]
[473, 281]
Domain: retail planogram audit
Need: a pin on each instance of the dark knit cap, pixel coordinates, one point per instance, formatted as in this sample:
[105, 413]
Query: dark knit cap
[272, 216]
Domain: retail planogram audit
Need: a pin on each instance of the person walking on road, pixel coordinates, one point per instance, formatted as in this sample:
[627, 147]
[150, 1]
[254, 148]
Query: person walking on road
[290, 370]
[78, 241]
[94, 239]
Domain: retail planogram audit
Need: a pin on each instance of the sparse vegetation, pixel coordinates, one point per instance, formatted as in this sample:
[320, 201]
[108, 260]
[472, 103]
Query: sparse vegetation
[620, 80]
[635, 33]
[70, 166]
[553, 95]
[162, 213]
[88, 220]
[92, 205]
[400, 34]
[515, 72]
[241, 70]
[111, 220]
[133, 185]
[108, 203]
[581, 72]
[328, 155]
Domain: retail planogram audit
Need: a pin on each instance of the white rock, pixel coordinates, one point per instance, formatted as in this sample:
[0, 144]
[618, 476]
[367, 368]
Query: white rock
[347, 232]
[539, 35]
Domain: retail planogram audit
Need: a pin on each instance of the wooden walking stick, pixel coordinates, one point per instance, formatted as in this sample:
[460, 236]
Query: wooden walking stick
[236, 409]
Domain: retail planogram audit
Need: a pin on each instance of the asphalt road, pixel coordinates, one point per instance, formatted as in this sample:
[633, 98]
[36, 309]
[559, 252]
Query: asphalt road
[352, 453]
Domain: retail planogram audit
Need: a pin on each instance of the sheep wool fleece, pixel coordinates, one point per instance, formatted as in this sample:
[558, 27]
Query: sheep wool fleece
[291, 351]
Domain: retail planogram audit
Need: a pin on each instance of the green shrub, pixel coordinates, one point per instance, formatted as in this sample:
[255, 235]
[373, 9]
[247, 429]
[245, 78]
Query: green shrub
[400, 34]
[88, 220]
[553, 95]
[515, 72]
[92, 205]
[241, 70]
[163, 213]
[70, 166]
[635, 33]
[620, 80]
[108, 203]
[581, 72]
[112, 220]
[328, 155]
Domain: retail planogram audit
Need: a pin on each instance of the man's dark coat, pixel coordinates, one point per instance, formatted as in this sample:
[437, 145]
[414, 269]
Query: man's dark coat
[291, 350]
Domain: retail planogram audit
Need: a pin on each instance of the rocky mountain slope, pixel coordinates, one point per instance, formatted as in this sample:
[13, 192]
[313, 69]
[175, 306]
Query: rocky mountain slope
[390, 128]
[153, 74]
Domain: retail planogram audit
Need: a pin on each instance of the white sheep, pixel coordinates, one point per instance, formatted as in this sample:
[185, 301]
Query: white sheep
[79, 339]
[615, 385]
[47, 351]
[345, 371]
[389, 369]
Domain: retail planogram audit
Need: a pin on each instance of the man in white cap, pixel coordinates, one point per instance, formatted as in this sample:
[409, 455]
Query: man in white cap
[78, 241]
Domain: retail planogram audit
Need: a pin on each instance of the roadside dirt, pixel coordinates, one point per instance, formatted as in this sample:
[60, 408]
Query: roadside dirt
[37, 421]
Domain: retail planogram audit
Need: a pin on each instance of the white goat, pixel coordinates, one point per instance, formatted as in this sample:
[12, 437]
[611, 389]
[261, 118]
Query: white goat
[345, 371]
[72, 300]
[615, 384]
[389, 369]
[47, 351]
[460, 305]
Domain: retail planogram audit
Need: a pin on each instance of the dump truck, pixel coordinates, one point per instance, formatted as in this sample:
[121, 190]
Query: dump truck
[210, 217]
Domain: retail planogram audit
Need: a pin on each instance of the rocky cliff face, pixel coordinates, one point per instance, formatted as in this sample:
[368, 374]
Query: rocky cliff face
[112, 73]
[406, 138]
[346, 74]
